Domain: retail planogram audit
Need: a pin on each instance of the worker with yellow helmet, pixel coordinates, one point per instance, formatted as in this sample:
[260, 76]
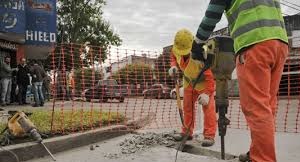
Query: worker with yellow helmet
[203, 92]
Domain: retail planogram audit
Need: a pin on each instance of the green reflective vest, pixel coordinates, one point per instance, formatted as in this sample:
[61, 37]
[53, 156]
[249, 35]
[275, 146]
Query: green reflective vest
[254, 21]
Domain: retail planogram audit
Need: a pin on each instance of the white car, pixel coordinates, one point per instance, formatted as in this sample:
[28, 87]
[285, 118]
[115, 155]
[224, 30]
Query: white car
[173, 93]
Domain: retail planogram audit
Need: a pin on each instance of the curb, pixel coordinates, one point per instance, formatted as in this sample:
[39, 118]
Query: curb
[31, 150]
[193, 147]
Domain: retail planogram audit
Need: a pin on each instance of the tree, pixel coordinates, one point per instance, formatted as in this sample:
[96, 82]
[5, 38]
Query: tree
[135, 74]
[86, 78]
[80, 22]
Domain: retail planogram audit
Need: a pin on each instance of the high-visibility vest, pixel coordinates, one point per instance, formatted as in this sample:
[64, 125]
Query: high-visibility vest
[254, 21]
[191, 72]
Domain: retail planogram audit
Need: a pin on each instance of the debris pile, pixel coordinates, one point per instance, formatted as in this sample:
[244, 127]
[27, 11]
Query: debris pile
[146, 140]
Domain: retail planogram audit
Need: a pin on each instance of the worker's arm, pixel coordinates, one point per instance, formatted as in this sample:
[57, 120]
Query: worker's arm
[212, 16]
[173, 60]
[173, 70]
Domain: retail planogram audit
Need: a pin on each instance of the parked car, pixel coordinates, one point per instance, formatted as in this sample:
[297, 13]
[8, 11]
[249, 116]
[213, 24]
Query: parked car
[157, 91]
[173, 93]
[104, 90]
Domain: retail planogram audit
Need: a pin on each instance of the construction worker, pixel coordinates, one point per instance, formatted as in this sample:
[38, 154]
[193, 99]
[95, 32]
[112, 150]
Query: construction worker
[261, 47]
[203, 92]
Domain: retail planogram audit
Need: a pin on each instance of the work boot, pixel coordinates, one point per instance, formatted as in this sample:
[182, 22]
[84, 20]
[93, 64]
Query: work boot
[245, 157]
[207, 142]
[179, 137]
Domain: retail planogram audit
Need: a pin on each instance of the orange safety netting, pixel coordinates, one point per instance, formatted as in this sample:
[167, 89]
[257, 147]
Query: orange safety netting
[94, 87]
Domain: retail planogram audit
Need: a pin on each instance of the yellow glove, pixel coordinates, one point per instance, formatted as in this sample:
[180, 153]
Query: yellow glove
[203, 99]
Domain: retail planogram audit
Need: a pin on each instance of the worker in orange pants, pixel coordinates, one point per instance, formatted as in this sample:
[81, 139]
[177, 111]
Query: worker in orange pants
[189, 100]
[260, 42]
[259, 101]
[203, 91]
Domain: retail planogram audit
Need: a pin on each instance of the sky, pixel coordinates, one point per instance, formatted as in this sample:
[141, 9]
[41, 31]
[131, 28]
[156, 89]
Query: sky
[152, 24]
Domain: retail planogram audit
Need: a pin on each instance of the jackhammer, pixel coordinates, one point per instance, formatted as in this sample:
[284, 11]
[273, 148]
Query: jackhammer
[19, 125]
[220, 57]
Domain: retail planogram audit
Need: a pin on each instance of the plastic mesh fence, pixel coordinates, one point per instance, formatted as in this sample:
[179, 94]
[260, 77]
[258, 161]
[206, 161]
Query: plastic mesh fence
[93, 87]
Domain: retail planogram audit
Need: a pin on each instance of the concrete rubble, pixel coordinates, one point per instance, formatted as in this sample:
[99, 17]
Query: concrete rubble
[141, 142]
[146, 140]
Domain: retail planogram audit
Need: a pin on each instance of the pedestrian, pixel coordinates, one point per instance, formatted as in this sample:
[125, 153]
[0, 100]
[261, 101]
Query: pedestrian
[46, 87]
[203, 91]
[261, 47]
[38, 74]
[6, 81]
[22, 81]
[71, 85]
[14, 88]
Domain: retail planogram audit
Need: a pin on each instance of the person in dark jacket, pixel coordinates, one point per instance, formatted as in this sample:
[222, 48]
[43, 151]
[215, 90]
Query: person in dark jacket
[22, 81]
[38, 74]
[13, 93]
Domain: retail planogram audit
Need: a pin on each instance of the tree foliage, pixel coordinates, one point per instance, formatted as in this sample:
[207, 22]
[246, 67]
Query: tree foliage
[86, 78]
[135, 74]
[80, 22]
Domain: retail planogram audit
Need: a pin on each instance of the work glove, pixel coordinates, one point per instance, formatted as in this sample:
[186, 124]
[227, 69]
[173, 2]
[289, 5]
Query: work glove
[203, 99]
[173, 70]
[198, 52]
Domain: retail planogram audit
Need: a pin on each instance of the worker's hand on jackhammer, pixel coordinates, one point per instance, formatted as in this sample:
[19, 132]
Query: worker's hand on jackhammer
[173, 70]
[203, 99]
[198, 52]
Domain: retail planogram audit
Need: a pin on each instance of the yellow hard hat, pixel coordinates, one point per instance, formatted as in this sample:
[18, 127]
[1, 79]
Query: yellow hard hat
[183, 42]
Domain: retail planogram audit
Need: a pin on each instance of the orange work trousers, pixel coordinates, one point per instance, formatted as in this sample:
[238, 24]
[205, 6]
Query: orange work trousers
[259, 70]
[190, 98]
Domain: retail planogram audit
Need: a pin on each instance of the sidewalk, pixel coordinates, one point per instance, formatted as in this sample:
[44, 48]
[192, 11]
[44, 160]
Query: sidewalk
[238, 141]
[109, 151]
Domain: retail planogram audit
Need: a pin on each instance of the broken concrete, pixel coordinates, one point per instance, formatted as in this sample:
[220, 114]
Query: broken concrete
[145, 141]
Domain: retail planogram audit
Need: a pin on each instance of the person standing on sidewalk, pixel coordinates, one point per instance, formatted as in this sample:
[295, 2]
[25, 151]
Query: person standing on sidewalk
[22, 80]
[38, 74]
[204, 90]
[6, 81]
[261, 46]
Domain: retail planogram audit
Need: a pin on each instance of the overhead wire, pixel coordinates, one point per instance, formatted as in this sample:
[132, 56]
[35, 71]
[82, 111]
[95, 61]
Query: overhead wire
[284, 4]
[291, 3]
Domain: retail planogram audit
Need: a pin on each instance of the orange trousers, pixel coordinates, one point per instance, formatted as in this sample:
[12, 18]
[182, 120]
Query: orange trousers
[259, 70]
[190, 98]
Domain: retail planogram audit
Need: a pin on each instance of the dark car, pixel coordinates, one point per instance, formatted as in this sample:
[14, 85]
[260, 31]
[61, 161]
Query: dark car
[104, 90]
[157, 91]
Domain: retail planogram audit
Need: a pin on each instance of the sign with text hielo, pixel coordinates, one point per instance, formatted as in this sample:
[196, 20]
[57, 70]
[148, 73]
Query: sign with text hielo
[40, 22]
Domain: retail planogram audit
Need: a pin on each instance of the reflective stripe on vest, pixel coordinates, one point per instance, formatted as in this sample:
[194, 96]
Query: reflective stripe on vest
[248, 5]
[254, 21]
[255, 25]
